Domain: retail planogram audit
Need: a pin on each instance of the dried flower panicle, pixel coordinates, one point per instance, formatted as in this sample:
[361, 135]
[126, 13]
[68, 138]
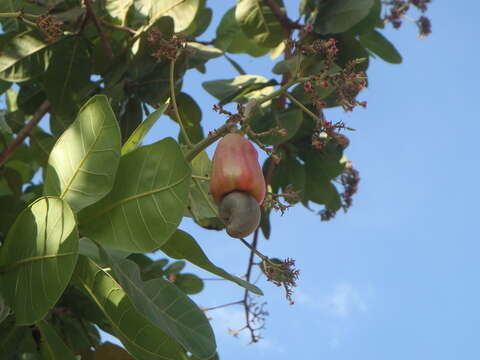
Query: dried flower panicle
[399, 8]
[282, 273]
[170, 48]
[50, 25]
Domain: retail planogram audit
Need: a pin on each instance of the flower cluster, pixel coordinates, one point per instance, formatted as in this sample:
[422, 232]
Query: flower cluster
[50, 25]
[398, 10]
[281, 273]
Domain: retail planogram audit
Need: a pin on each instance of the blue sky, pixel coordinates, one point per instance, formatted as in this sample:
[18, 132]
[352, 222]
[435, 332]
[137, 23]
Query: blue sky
[396, 277]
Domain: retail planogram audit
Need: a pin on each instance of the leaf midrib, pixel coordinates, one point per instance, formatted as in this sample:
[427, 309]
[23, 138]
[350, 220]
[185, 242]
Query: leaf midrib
[131, 198]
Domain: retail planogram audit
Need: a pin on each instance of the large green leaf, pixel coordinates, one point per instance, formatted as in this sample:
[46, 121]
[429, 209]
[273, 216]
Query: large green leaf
[139, 336]
[182, 246]
[38, 258]
[379, 45]
[165, 306]
[83, 162]
[67, 74]
[340, 15]
[146, 203]
[23, 57]
[259, 23]
[137, 136]
[52, 346]
[231, 38]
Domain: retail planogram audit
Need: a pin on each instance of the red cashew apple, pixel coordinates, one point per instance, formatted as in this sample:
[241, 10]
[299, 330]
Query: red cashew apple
[237, 184]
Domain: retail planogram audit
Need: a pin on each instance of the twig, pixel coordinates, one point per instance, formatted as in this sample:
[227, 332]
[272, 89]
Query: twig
[25, 132]
[222, 306]
[308, 112]
[106, 45]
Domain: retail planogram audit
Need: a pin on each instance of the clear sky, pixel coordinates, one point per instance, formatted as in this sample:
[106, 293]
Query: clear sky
[395, 278]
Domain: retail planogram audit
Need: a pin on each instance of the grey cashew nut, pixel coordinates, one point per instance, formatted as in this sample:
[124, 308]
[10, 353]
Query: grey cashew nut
[241, 213]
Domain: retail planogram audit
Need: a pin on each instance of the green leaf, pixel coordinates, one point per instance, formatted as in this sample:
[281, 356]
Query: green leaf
[199, 207]
[4, 128]
[339, 16]
[191, 115]
[118, 9]
[291, 65]
[41, 144]
[83, 162]
[232, 39]
[146, 203]
[139, 336]
[289, 172]
[165, 306]
[325, 164]
[372, 20]
[240, 88]
[182, 246]
[322, 192]
[259, 23]
[67, 74]
[38, 258]
[137, 136]
[12, 338]
[109, 351]
[4, 309]
[188, 283]
[23, 57]
[289, 121]
[199, 54]
[235, 65]
[379, 45]
[51, 345]
[4, 86]
[130, 117]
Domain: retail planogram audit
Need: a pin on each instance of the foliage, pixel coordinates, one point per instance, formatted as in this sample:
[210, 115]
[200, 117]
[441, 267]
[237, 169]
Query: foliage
[83, 201]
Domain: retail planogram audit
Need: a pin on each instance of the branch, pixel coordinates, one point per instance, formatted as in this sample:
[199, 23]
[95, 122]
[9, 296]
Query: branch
[284, 20]
[106, 45]
[22, 135]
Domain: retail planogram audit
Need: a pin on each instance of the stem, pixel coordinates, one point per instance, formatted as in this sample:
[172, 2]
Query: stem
[209, 140]
[223, 305]
[18, 14]
[254, 250]
[22, 135]
[174, 102]
[301, 106]
[201, 177]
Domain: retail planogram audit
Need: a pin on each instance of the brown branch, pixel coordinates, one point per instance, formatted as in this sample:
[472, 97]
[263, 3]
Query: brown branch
[285, 21]
[106, 45]
[246, 305]
[25, 132]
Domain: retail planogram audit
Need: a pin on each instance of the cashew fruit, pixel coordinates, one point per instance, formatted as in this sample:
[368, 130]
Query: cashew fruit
[240, 212]
[235, 168]
[237, 185]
